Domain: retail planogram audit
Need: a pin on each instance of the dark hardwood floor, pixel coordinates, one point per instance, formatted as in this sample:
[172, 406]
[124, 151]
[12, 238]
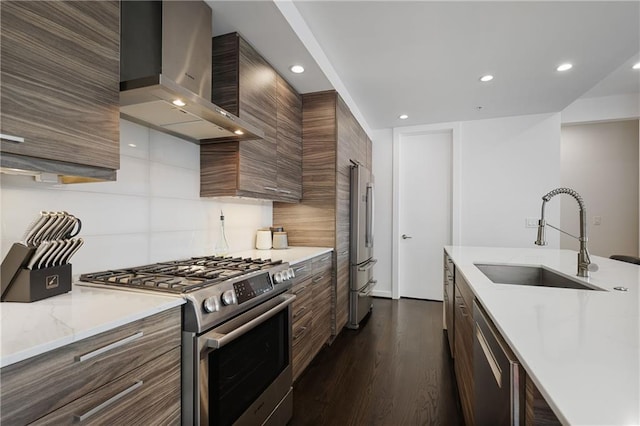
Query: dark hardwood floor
[394, 370]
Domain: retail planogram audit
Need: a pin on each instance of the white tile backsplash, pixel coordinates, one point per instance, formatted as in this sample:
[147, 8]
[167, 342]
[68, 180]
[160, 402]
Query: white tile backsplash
[153, 212]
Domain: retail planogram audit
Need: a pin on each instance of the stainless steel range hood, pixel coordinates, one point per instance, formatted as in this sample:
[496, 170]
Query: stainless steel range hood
[165, 72]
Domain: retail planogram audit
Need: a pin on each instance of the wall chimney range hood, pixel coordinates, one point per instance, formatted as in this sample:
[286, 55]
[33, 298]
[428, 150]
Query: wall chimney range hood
[165, 72]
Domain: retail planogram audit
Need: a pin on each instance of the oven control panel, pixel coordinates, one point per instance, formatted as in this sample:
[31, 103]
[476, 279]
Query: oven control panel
[227, 299]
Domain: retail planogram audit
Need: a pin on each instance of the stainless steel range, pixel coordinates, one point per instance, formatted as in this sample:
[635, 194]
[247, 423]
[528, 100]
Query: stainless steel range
[236, 339]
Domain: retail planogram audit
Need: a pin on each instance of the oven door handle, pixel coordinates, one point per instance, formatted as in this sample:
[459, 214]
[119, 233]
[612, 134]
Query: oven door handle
[217, 340]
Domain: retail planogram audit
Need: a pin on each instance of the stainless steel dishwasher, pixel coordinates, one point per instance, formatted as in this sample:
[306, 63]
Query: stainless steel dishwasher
[498, 376]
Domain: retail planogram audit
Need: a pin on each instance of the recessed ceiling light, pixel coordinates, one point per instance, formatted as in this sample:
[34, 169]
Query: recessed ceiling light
[179, 102]
[403, 116]
[238, 132]
[486, 78]
[297, 69]
[636, 66]
[133, 145]
[564, 67]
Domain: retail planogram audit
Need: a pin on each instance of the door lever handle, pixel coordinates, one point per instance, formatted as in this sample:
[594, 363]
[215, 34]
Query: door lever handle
[406, 237]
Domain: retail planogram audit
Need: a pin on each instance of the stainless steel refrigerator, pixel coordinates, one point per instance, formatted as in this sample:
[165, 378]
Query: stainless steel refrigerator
[361, 245]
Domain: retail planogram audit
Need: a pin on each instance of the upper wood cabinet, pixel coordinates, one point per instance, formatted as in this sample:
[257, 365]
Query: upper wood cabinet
[59, 85]
[246, 85]
[332, 137]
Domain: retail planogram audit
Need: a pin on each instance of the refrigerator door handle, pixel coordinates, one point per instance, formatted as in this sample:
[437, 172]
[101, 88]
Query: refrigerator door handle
[368, 265]
[369, 217]
[368, 289]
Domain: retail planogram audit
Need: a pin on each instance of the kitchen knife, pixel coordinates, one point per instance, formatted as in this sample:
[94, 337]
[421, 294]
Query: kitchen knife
[44, 229]
[73, 251]
[54, 229]
[65, 224]
[34, 227]
[37, 255]
[43, 262]
[54, 253]
[62, 251]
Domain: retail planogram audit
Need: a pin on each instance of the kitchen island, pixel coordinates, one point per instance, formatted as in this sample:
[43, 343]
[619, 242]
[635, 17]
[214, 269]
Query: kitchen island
[581, 348]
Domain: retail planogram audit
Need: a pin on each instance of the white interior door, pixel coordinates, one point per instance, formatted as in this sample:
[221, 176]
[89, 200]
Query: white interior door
[424, 215]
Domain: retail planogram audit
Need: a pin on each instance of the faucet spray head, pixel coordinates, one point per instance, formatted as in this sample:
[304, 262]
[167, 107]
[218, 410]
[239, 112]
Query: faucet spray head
[541, 241]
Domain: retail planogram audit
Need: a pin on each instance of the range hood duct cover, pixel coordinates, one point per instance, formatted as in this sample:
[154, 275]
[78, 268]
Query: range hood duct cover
[165, 55]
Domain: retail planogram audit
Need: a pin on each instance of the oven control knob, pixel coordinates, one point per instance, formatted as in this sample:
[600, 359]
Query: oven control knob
[292, 273]
[285, 275]
[229, 298]
[211, 304]
[278, 278]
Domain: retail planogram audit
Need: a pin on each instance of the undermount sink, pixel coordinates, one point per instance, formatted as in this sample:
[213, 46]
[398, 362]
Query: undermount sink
[530, 275]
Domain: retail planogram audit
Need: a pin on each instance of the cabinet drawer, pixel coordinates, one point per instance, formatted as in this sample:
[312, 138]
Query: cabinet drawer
[302, 270]
[54, 379]
[150, 394]
[463, 289]
[302, 305]
[322, 263]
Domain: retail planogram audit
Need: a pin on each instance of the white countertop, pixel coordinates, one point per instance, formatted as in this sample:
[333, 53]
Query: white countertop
[30, 329]
[292, 255]
[581, 348]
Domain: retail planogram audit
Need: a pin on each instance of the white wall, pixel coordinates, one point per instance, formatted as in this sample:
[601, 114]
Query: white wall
[600, 161]
[504, 166]
[617, 107]
[507, 165]
[382, 153]
[153, 212]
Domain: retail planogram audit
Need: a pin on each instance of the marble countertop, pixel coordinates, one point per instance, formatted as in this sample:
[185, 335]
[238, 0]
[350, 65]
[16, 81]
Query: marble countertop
[30, 329]
[292, 255]
[581, 348]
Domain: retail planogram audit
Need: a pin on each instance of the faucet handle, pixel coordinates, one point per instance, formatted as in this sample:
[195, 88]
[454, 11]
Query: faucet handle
[592, 267]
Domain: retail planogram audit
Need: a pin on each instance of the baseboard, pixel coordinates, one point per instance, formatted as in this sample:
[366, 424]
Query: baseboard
[382, 293]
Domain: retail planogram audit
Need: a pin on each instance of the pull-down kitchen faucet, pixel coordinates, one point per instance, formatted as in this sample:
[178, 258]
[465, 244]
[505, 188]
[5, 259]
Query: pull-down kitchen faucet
[584, 261]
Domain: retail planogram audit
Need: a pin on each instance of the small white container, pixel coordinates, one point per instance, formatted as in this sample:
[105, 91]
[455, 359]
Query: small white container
[263, 239]
[280, 240]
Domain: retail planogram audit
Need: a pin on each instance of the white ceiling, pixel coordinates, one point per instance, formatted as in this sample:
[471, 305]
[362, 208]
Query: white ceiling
[424, 58]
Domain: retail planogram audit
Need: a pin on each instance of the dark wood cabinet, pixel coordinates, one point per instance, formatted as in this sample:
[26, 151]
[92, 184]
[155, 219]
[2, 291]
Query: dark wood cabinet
[59, 87]
[311, 328]
[246, 85]
[332, 137]
[449, 302]
[463, 335]
[81, 376]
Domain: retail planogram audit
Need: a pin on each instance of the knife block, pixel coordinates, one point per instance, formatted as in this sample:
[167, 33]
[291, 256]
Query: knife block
[20, 284]
[37, 284]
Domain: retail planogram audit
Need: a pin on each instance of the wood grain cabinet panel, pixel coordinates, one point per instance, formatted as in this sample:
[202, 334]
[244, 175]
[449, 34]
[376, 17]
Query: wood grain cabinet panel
[463, 365]
[247, 86]
[311, 309]
[56, 378]
[331, 138]
[449, 301]
[150, 394]
[59, 85]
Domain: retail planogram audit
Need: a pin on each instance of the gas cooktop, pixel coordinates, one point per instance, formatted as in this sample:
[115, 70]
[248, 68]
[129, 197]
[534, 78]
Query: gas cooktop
[181, 276]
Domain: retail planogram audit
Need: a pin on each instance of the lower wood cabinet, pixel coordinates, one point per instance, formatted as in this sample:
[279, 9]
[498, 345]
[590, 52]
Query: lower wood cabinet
[463, 343]
[92, 380]
[449, 302]
[311, 328]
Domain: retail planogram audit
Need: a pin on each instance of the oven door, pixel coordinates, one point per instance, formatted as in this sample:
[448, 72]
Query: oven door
[245, 374]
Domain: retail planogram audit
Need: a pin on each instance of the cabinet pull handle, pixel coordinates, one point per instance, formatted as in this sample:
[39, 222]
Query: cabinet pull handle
[270, 188]
[300, 290]
[11, 138]
[110, 346]
[318, 279]
[302, 331]
[490, 357]
[109, 401]
[301, 310]
[298, 269]
[284, 191]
